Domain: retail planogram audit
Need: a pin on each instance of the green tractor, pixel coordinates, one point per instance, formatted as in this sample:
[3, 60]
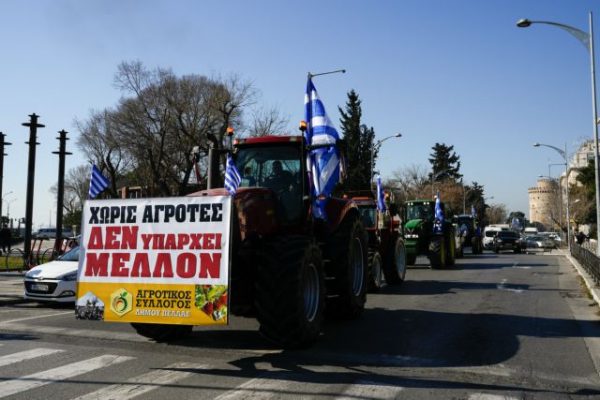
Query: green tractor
[425, 234]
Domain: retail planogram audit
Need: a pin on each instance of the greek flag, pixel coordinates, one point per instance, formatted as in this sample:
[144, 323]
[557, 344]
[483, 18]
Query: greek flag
[98, 182]
[473, 212]
[232, 176]
[439, 214]
[323, 162]
[380, 196]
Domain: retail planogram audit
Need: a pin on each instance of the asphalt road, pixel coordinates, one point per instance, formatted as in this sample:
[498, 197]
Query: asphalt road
[507, 326]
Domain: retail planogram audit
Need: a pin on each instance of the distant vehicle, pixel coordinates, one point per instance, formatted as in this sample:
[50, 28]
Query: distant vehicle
[539, 242]
[508, 240]
[50, 233]
[54, 281]
[489, 233]
[530, 230]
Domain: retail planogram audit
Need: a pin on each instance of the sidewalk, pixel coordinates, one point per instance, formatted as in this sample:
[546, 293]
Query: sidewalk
[11, 288]
[588, 280]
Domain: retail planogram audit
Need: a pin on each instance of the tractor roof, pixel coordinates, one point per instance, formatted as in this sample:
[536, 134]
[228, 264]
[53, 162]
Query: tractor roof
[267, 140]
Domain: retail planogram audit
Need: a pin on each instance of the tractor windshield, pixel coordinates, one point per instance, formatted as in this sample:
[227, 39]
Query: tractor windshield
[277, 167]
[368, 216]
[419, 211]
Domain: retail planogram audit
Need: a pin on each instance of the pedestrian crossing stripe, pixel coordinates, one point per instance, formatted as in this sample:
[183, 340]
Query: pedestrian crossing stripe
[12, 386]
[26, 355]
[142, 384]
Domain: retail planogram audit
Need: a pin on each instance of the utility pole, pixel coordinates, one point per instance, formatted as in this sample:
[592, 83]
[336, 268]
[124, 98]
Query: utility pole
[62, 153]
[2, 154]
[33, 125]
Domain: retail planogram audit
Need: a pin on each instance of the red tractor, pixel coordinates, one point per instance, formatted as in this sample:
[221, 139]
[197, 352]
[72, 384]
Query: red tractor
[387, 254]
[287, 267]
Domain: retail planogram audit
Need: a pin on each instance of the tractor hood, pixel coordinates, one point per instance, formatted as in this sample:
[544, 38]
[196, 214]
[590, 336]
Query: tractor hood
[414, 224]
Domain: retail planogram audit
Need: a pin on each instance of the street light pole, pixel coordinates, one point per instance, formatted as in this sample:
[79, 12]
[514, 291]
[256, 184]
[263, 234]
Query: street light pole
[564, 155]
[587, 39]
[377, 144]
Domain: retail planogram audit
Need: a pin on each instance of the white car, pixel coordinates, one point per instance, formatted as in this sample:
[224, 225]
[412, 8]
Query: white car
[54, 281]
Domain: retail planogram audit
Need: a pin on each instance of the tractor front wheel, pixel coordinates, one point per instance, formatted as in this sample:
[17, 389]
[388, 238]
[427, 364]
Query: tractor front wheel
[437, 252]
[290, 291]
[349, 258]
[376, 280]
[395, 263]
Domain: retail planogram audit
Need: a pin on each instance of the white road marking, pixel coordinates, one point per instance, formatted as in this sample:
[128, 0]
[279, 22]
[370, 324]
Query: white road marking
[36, 380]
[502, 286]
[255, 389]
[516, 265]
[39, 316]
[26, 355]
[370, 390]
[487, 396]
[142, 384]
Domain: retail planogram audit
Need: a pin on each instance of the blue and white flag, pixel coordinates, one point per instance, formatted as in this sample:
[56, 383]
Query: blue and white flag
[323, 163]
[473, 212]
[98, 182]
[380, 196]
[232, 176]
[439, 213]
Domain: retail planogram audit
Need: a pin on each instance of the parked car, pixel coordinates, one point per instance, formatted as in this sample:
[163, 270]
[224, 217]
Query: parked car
[50, 233]
[539, 242]
[508, 240]
[54, 281]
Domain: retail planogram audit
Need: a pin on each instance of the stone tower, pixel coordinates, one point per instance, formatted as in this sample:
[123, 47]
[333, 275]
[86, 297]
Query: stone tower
[544, 202]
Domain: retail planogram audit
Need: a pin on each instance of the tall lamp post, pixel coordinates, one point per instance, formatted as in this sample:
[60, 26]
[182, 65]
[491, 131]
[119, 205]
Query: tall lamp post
[563, 154]
[587, 39]
[376, 145]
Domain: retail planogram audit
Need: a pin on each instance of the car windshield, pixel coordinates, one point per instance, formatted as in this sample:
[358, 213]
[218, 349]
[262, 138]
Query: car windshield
[71, 255]
[490, 233]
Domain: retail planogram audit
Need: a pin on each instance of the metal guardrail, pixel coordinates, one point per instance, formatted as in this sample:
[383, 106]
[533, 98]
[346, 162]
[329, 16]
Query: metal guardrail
[587, 258]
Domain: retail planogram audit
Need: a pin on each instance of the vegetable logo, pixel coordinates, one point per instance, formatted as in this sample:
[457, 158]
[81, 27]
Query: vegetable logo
[121, 302]
[212, 300]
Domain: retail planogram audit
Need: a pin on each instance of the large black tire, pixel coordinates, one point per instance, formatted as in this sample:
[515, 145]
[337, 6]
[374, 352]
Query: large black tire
[450, 249]
[376, 280]
[290, 291]
[476, 245]
[349, 261]
[437, 252]
[411, 258]
[395, 263]
[162, 333]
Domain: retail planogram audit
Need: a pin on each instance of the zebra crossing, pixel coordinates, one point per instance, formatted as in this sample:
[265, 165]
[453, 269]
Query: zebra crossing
[266, 386]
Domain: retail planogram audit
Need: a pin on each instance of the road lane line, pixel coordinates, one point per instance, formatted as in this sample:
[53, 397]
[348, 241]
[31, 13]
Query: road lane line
[502, 286]
[39, 316]
[13, 386]
[487, 396]
[364, 389]
[145, 383]
[26, 355]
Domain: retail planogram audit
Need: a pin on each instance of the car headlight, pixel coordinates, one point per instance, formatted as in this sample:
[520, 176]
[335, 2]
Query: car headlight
[72, 276]
[499, 240]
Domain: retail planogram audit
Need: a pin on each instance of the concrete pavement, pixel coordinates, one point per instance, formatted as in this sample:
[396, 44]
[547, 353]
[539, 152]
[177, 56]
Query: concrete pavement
[11, 288]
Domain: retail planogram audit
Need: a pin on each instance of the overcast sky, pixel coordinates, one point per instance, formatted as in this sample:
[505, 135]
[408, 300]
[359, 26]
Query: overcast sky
[453, 72]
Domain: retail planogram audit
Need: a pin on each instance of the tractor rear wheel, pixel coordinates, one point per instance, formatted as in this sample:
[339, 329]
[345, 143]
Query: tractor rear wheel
[450, 250]
[437, 252]
[162, 332]
[348, 250]
[376, 280]
[395, 265]
[290, 291]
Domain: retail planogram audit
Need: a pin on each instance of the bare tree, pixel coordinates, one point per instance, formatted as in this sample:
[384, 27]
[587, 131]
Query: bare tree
[496, 214]
[410, 183]
[267, 122]
[97, 139]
